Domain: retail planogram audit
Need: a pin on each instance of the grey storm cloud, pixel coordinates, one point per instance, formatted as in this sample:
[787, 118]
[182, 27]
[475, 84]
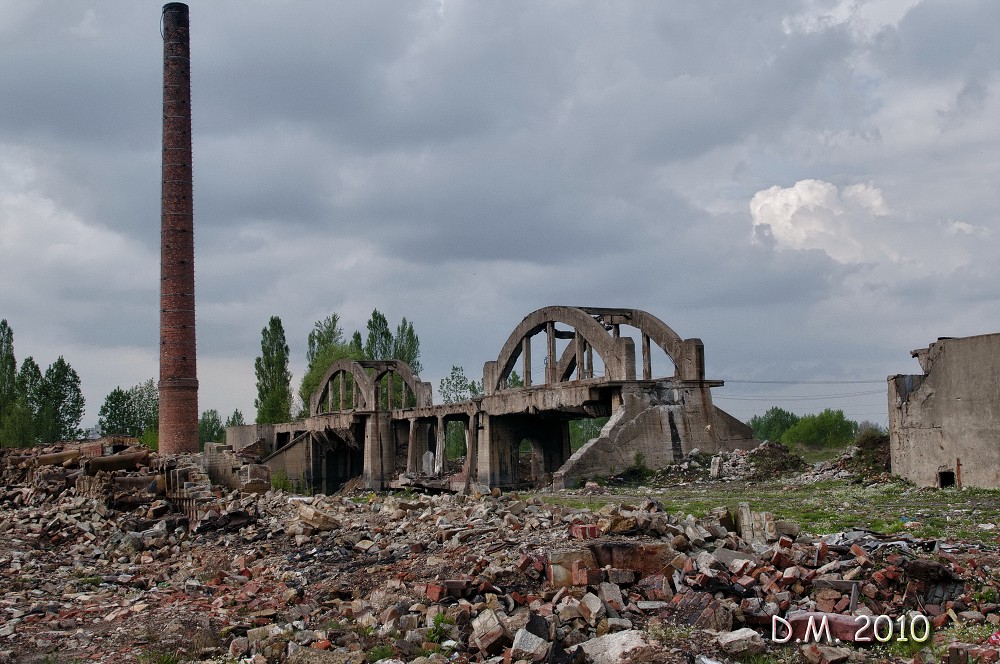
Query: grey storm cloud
[462, 164]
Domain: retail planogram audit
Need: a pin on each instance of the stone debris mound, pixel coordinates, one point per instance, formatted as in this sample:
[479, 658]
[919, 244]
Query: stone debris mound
[221, 575]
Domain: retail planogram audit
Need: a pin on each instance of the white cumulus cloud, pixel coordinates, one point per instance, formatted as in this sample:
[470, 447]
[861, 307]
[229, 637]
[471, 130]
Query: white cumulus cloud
[813, 214]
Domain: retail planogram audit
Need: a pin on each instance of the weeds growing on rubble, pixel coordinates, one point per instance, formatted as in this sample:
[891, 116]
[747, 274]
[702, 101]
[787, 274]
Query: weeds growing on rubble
[159, 657]
[379, 652]
[442, 625]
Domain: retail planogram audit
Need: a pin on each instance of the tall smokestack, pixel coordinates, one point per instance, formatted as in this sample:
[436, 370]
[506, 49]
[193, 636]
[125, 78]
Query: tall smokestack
[178, 372]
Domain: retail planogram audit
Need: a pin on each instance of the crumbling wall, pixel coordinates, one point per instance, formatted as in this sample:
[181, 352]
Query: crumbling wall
[656, 425]
[944, 425]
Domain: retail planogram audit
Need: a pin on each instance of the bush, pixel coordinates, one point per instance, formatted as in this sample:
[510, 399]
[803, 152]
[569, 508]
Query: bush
[773, 424]
[828, 429]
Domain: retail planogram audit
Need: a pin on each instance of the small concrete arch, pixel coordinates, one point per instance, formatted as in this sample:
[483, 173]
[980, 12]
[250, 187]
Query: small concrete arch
[618, 354]
[421, 391]
[365, 376]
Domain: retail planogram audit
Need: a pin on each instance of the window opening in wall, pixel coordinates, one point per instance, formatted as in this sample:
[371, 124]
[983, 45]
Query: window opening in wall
[946, 478]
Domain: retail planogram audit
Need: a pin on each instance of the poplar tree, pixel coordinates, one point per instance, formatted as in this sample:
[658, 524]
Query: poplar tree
[274, 392]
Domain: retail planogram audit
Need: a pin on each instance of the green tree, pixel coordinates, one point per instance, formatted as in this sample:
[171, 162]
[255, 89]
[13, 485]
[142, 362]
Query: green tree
[19, 424]
[274, 392]
[235, 420]
[62, 403]
[8, 368]
[210, 429]
[118, 415]
[326, 345]
[146, 397]
[325, 333]
[133, 412]
[456, 387]
[827, 429]
[406, 345]
[772, 424]
[379, 343]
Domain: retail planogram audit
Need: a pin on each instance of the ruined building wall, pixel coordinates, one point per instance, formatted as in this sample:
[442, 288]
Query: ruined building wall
[944, 424]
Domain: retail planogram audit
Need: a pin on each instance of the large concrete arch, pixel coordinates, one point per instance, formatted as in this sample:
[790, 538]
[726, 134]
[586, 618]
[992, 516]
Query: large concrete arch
[618, 354]
[687, 355]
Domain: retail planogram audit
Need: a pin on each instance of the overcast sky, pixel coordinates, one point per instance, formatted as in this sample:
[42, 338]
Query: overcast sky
[809, 187]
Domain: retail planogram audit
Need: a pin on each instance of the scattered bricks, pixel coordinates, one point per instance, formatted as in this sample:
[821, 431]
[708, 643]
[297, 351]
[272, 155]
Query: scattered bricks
[655, 587]
[592, 608]
[459, 588]
[585, 576]
[816, 653]
[743, 641]
[611, 595]
[569, 609]
[435, 592]
[621, 577]
[827, 599]
[561, 565]
[642, 558]
[489, 634]
[613, 648]
[529, 646]
[525, 562]
[584, 531]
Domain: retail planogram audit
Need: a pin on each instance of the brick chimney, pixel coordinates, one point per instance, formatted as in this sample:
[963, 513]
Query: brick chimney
[178, 372]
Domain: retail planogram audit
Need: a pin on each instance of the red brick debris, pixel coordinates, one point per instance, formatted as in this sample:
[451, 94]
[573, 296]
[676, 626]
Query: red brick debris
[101, 563]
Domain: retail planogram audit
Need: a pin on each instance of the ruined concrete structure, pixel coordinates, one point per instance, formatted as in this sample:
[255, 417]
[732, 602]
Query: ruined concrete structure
[375, 419]
[178, 383]
[944, 424]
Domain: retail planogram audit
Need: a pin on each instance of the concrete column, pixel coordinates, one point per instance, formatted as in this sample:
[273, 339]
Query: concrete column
[581, 370]
[413, 454]
[647, 362]
[439, 453]
[343, 388]
[590, 361]
[472, 449]
[550, 363]
[526, 356]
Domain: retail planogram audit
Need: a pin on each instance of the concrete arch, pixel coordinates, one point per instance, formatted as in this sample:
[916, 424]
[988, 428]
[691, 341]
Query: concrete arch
[618, 354]
[366, 375]
[687, 355]
[364, 386]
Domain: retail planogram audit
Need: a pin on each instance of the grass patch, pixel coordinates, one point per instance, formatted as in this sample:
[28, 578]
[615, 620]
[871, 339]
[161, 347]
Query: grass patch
[160, 657]
[379, 652]
[831, 505]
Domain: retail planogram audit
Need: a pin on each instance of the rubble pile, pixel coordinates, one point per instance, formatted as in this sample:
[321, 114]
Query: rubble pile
[269, 578]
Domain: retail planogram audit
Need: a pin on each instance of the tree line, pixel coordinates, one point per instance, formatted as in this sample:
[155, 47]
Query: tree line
[829, 428]
[36, 407]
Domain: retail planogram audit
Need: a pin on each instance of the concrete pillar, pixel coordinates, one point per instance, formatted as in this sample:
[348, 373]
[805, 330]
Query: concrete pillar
[550, 362]
[413, 454]
[472, 449]
[380, 451]
[647, 362]
[526, 356]
[439, 452]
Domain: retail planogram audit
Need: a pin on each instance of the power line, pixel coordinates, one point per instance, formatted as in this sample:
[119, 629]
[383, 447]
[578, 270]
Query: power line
[808, 382]
[778, 397]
